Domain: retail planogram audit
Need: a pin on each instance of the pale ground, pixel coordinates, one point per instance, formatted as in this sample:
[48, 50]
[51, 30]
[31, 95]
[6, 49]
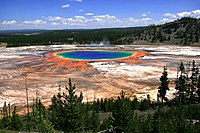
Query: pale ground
[99, 80]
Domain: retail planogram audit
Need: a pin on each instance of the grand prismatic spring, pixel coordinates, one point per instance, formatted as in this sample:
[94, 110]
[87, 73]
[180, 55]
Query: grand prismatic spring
[94, 55]
[80, 58]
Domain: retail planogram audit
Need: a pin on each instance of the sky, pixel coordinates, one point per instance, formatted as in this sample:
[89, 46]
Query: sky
[92, 14]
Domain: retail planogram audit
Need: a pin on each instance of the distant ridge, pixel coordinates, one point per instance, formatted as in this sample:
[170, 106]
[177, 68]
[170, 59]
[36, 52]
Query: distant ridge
[20, 31]
[184, 31]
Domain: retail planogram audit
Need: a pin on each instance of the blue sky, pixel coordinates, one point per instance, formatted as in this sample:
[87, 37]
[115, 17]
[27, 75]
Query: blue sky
[89, 14]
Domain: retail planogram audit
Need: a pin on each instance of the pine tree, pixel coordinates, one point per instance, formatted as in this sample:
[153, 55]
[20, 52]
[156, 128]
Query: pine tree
[37, 120]
[198, 86]
[16, 123]
[181, 83]
[164, 84]
[194, 73]
[87, 116]
[194, 78]
[144, 105]
[73, 109]
[67, 110]
[56, 110]
[135, 103]
[181, 87]
[106, 124]
[122, 114]
[134, 125]
[97, 106]
[147, 125]
[6, 119]
[94, 122]
[182, 68]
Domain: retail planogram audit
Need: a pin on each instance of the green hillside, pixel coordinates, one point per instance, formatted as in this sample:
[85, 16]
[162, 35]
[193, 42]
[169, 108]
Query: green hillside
[184, 31]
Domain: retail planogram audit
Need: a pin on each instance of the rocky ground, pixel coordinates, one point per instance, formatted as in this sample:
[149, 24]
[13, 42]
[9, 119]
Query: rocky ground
[44, 74]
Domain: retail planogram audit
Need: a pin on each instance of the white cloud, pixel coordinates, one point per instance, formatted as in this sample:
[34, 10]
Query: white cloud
[194, 13]
[55, 18]
[79, 17]
[105, 21]
[77, 0]
[171, 15]
[144, 14]
[94, 21]
[11, 22]
[81, 10]
[54, 23]
[104, 17]
[139, 22]
[89, 14]
[184, 14]
[164, 20]
[146, 19]
[66, 6]
[76, 21]
[98, 21]
[35, 22]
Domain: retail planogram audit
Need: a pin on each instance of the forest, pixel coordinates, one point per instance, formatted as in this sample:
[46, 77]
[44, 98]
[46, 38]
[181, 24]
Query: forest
[184, 31]
[68, 113]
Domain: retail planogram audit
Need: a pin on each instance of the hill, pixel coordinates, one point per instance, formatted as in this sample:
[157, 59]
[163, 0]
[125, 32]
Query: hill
[184, 31]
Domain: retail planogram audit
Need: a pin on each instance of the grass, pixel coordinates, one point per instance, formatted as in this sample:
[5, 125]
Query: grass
[8, 131]
[2, 44]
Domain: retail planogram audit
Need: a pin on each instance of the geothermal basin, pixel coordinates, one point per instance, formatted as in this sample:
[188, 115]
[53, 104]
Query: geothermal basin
[136, 69]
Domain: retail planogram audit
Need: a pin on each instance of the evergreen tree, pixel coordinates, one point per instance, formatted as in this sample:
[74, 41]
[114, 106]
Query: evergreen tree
[87, 117]
[164, 84]
[198, 82]
[91, 119]
[195, 72]
[198, 86]
[182, 68]
[106, 124]
[122, 114]
[194, 79]
[144, 105]
[134, 125]
[73, 109]
[56, 110]
[37, 120]
[6, 119]
[67, 110]
[94, 122]
[181, 83]
[97, 105]
[181, 86]
[147, 125]
[16, 122]
[135, 103]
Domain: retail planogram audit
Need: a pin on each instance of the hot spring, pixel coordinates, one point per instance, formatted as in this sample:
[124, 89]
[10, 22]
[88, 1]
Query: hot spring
[94, 55]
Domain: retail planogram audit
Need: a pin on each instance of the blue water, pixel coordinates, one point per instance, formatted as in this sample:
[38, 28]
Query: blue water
[94, 55]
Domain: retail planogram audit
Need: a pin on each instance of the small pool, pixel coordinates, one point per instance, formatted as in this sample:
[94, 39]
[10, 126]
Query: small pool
[94, 55]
